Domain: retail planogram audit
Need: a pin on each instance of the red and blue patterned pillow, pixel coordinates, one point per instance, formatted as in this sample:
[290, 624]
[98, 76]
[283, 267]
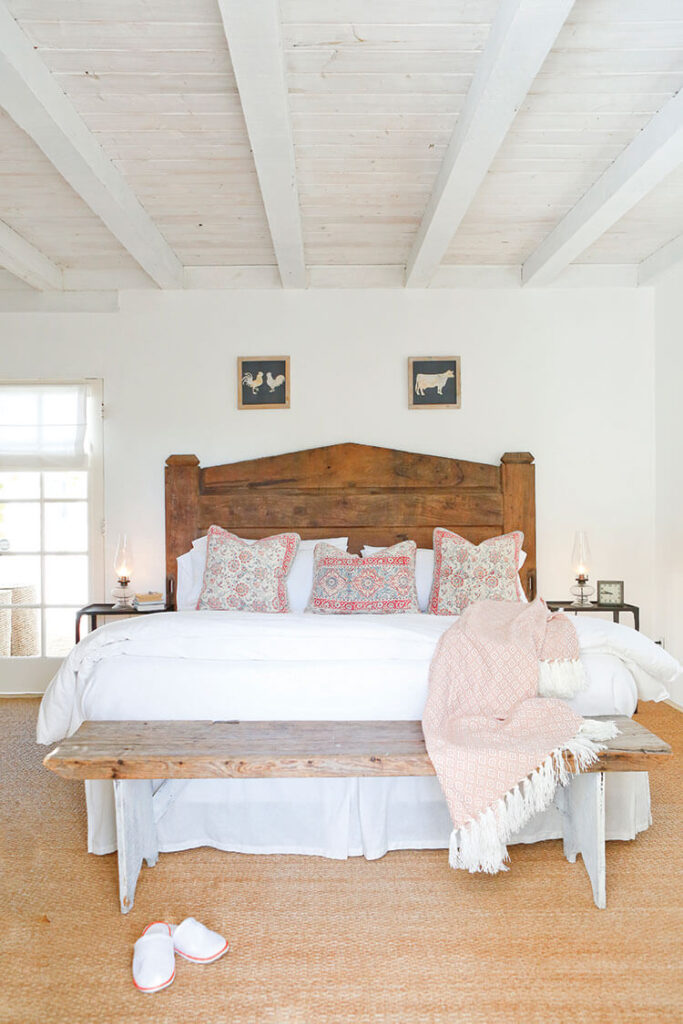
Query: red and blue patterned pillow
[465, 572]
[381, 584]
[247, 577]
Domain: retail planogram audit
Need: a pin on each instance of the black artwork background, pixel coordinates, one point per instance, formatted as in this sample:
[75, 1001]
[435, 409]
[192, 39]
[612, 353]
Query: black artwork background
[264, 396]
[432, 397]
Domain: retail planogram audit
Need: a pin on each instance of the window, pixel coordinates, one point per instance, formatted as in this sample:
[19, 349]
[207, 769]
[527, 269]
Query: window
[50, 513]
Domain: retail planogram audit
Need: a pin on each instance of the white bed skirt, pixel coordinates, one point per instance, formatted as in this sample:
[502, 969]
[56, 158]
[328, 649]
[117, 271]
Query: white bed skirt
[335, 818]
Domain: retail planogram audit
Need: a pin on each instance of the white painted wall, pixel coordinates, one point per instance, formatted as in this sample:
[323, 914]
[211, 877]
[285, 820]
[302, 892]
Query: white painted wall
[669, 465]
[565, 374]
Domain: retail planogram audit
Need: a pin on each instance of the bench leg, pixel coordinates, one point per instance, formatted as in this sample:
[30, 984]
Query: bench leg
[136, 834]
[582, 804]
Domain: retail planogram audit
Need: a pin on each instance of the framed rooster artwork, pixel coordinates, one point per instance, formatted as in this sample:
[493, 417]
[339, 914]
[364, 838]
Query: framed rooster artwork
[263, 382]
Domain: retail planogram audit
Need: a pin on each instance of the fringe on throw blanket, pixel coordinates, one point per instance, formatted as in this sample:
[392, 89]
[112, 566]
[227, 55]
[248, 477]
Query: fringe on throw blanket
[563, 678]
[480, 844]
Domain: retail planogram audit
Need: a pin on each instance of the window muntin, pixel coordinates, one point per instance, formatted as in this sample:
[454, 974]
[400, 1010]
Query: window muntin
[47, 544]
[38, 485]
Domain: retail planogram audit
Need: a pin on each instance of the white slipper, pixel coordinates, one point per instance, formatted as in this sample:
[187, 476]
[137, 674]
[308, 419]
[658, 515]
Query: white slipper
[153, 958]
[195, 942]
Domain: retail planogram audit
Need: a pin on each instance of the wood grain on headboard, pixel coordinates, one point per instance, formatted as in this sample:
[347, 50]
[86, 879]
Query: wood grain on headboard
[375, 495]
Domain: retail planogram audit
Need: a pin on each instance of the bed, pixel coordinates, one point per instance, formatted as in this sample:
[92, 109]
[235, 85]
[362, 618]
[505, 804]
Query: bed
[222, 665]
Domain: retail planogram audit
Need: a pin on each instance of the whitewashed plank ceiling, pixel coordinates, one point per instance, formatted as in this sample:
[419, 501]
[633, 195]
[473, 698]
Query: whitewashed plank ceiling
[330, 182]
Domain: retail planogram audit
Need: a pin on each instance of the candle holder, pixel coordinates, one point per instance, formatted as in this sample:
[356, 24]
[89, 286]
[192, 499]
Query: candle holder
[121, 596]
[582, 592]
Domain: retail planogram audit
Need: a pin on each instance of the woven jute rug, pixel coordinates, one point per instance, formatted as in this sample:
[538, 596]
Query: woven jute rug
[314, 941]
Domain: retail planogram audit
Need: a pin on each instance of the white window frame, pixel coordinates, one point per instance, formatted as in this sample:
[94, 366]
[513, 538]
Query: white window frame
[31, 674]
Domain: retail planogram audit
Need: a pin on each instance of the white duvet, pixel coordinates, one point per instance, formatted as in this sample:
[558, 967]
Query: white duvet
[236, 664]
[225, 665]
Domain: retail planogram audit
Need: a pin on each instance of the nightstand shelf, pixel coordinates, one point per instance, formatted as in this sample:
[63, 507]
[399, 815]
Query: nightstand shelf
[94, 611]
[615, 609]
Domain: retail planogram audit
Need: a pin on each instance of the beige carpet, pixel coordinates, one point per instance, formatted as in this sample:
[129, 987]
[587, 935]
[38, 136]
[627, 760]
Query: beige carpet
[402, 939]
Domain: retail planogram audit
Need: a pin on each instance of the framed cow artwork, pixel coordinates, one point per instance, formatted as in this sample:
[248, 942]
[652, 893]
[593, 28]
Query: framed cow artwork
[434, 382]
[263, 382]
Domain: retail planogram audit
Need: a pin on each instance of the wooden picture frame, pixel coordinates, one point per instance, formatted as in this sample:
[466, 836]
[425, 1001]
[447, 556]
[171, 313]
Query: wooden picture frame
[435, 393]
[261, 381]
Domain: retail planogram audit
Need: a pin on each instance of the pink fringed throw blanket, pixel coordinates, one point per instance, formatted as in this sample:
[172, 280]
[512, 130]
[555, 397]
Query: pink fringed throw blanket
[497, 747]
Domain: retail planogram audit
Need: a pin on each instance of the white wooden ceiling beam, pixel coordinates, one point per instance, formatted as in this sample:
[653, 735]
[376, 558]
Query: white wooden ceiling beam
[254, 37]
[661, 261]
[520, 39]
[32, 98]
[26, 262]
[364, 276]
[654, 152]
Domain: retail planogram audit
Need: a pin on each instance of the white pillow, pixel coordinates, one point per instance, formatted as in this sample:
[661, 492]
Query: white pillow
[299, 581]
[188, 588]
[424, 571]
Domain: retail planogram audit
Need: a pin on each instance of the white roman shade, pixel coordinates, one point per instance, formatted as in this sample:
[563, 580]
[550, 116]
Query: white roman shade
[43, 426]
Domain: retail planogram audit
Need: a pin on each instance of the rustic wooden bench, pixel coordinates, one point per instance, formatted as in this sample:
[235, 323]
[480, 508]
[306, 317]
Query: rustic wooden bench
[135, 753]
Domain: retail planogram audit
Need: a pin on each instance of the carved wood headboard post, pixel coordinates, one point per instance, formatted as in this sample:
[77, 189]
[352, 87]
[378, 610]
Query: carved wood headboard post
[182, 514]
[519, 509]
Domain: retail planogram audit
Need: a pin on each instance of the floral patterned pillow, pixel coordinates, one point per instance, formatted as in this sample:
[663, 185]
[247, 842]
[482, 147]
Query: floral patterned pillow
[465, 572]
[383, 583]
[247, 577]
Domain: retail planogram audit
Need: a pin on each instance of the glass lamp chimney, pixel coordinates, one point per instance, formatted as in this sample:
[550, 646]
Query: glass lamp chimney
[581, 555]
[123, 562]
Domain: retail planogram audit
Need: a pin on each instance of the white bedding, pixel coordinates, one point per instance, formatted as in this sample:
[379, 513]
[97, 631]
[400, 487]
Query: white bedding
[224, 665]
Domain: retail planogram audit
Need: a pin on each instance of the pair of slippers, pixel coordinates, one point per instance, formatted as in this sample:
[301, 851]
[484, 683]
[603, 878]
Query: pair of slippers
[154, 952]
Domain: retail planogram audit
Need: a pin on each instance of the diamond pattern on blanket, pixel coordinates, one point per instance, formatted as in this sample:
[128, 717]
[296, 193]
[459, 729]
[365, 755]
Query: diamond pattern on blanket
[485, 728]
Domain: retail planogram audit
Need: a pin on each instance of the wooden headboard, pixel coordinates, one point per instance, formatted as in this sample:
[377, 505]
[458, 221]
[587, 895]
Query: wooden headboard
[375, 495]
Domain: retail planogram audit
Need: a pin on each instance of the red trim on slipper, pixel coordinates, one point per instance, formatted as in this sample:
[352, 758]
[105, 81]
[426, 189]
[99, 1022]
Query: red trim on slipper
[204, 959]
[155, 988]
[157, 923]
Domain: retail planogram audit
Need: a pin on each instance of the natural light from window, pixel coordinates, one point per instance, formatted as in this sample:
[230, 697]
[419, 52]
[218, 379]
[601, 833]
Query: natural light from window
[45, 517]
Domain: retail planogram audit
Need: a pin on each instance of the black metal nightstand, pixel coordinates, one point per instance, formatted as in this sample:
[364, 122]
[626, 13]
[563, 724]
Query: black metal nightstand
[615, 609]
[95, 610]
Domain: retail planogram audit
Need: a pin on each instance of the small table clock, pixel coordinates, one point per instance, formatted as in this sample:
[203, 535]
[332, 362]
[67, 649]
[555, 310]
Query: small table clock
[610, 592]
